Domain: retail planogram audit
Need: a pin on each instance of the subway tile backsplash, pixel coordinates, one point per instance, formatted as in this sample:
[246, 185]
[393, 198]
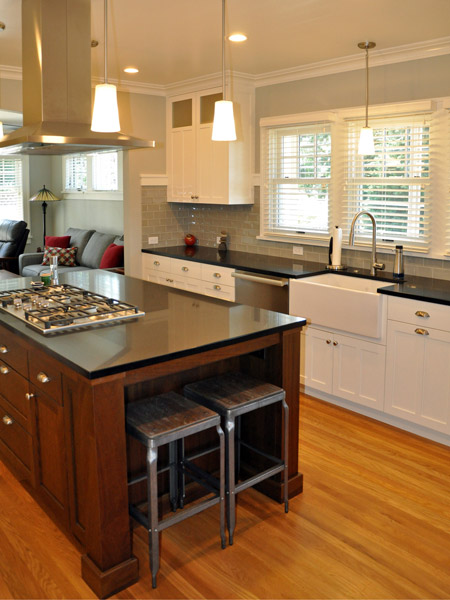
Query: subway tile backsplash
[171, 221]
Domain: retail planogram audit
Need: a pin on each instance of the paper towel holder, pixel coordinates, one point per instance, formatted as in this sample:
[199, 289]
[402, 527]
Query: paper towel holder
[330, 266]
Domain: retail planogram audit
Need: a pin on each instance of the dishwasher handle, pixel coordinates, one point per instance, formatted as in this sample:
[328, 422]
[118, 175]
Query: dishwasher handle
[278, 282]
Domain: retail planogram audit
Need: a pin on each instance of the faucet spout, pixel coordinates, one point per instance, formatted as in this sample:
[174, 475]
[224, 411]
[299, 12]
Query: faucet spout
[351, 240]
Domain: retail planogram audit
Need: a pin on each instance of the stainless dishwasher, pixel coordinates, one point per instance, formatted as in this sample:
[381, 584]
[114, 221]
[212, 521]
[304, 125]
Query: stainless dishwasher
[263, 291]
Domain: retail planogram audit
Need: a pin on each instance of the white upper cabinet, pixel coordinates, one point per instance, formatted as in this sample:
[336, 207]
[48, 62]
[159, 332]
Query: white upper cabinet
[202, 171]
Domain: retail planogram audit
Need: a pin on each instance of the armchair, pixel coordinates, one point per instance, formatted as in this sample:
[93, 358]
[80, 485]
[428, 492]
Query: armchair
[13, 237]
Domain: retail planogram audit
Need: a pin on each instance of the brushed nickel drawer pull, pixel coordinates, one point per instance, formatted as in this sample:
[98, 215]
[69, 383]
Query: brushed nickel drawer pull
[29, 395]
[42, 377]
[169, 280]
[422, 331]
[422, 313]
[185, 269]
[217, 287]
[7, 420]
[156, 263]
[218, 275]
[4, 370]
[328, 341]
[3, 349]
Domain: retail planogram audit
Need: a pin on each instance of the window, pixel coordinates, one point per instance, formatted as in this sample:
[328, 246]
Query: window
[312, 177]
[393, 184]
[298, 167]
[87, 173]
[11, 189]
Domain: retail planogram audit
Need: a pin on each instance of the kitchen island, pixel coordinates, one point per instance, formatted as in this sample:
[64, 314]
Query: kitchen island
[63, 398]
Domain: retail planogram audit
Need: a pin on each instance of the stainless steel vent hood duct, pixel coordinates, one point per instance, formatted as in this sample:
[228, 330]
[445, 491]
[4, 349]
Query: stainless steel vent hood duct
[56, 72]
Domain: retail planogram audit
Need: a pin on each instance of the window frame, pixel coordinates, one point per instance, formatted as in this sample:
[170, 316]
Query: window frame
[24, 159]
[89, 192]
[439, 228]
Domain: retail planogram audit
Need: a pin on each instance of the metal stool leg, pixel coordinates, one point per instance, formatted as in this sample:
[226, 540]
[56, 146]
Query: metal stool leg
[237, 445]
[181, 477]
[286, 455]
[173, 475]
[222, 485]
[230, 477]
[152, 499]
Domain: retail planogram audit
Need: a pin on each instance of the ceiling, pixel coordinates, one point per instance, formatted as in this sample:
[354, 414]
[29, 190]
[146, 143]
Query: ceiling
[175, 40]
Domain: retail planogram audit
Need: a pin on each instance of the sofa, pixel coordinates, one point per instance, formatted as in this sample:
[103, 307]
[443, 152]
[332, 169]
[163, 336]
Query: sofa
[91, 246]
[13, 237]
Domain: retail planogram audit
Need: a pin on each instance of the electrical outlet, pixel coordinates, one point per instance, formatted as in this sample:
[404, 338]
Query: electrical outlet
[153, 240]
[298, 250]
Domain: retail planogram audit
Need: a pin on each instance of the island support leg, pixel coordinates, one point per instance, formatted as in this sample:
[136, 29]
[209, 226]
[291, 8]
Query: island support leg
[108, 565]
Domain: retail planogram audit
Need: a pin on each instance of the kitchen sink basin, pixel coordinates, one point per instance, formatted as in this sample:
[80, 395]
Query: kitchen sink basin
[340, 302]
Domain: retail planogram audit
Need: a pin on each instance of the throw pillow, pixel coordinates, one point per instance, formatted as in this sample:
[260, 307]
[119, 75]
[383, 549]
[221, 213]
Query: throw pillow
[66, 256]
[112, 257]
[61, 241]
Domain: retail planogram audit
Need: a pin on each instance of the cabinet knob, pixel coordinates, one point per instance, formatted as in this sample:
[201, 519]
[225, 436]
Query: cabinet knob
[422, 313]
[156, 262]
[7, 420]
[218, 275]
[3, 349]
[328, 341]
[4, 370]
[217, 287]
[29, 395]
[335, 343]
[192, 197]
[42, 377]
[422, 331]
[185, 269]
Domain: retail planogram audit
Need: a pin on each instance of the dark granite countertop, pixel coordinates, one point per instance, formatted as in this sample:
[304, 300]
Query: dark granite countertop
[175, 324]
[419, 288]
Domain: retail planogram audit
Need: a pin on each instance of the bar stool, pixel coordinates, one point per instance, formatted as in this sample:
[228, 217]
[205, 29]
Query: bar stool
[232, 395]
[169, 419]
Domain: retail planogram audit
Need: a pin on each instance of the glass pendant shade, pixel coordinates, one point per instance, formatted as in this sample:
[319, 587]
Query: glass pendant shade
[105, 116]
[224, 129]
[366, 145]
[1, 129]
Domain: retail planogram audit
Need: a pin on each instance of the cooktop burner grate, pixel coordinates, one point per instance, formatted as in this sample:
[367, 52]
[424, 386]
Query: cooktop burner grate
[61, 307]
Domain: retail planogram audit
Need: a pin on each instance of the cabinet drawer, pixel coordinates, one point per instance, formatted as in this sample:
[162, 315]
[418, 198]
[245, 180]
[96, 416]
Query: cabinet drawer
[215, 274]
[217, 290]
[13, 352]
[14, 437]
[157, 263]
[14, 389]
[46, 375]
[186, 268]
[419, 313]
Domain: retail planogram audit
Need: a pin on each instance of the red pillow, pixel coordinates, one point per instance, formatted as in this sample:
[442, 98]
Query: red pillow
[112, 257]
[54, 241]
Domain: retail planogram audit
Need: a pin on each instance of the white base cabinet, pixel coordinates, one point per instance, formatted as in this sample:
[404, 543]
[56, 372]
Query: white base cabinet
[344, 366]
[418, 363]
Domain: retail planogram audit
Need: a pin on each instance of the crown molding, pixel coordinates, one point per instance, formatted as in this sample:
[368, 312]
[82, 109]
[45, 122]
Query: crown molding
[133, 87]
[407, 52]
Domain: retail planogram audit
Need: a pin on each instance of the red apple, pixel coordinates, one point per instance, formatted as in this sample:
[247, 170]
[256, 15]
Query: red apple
[190, 239]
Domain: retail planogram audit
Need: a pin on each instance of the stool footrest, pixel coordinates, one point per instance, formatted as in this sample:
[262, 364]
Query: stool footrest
[243, 485]
[274, 459]
[200, 476]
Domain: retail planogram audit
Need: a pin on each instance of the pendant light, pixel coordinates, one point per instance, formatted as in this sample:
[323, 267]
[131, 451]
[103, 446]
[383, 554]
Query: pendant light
[366, 145]
[224, 129]
[105, 116]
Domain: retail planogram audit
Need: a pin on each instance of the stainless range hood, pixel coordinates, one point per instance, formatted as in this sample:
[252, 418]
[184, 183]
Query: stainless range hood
[56, 73]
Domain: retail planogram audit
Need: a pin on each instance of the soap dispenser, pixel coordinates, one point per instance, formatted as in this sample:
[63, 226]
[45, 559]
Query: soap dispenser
[398, 263]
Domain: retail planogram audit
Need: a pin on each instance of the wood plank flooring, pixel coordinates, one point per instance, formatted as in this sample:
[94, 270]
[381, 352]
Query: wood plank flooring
[373, 522]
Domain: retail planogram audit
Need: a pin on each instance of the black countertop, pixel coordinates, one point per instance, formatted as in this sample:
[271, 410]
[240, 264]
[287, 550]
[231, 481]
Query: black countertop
[419, 288]
[175, 324]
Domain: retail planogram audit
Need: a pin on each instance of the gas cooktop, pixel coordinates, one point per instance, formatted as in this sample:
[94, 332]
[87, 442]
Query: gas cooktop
[61, 307]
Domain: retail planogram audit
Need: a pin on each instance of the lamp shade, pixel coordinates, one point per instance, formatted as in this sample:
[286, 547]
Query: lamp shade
[105, 116]
[224, 129]
[366, 145]
[44, 195]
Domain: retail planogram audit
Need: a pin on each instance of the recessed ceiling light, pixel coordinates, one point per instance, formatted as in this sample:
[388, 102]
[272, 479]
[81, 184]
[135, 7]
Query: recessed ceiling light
[237, 37]
[131, 70]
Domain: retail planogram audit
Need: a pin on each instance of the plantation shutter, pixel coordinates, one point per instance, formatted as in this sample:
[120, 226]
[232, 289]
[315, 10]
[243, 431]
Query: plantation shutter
[296, 180]
[11, 192]
[75, 172]
[105, 171]
[394, 184]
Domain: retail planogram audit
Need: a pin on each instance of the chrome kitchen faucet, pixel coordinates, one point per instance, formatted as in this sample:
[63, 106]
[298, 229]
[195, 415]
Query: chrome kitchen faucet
[375, 264]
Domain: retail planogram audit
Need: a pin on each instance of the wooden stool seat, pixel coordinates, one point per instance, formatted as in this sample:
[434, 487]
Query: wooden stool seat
[169, 419]
[233, 395]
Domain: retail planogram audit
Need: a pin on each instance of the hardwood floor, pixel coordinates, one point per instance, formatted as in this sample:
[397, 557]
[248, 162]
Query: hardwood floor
[373, 522]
